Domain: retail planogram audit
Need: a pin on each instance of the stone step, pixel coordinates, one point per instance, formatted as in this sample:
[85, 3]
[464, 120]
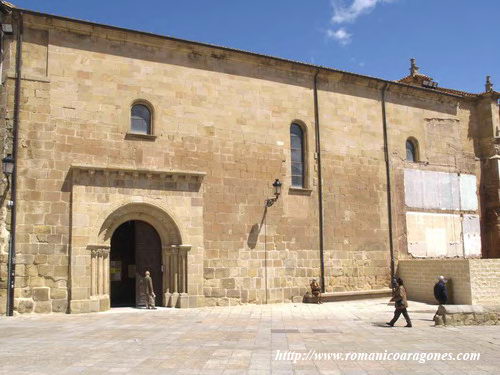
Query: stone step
[350, 295]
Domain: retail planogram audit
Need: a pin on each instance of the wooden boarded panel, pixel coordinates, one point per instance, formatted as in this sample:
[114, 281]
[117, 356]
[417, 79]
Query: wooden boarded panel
[148, 258]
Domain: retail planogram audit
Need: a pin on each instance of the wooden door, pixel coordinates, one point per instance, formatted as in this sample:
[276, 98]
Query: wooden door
[148, 258]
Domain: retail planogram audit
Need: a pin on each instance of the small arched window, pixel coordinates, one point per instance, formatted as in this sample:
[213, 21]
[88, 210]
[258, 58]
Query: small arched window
[140, 119]
[411, 150]
[297, 150]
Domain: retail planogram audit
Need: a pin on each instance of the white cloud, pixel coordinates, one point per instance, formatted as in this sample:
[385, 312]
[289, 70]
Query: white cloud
[343, 13]
[341, 36]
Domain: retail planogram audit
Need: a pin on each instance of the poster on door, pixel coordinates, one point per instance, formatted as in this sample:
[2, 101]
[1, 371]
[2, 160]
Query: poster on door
[115, 270]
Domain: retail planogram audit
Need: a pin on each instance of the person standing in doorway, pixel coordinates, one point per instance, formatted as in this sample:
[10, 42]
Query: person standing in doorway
[401, 304]
[150, 294]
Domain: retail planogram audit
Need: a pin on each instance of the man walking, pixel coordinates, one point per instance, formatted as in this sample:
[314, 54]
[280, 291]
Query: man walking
[150, 294]
[401, 304]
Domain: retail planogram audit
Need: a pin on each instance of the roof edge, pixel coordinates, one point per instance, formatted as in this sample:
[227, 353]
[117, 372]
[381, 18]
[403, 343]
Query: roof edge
[236, 50]
[6, 7]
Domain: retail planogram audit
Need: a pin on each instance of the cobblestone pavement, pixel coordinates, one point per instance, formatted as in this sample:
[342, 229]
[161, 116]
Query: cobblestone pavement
[239, 340]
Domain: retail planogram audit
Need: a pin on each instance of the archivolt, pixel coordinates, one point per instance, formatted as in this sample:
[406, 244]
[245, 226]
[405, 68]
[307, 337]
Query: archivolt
[163, 222]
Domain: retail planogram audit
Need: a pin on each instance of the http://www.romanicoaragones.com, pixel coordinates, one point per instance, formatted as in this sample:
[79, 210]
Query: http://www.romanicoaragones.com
[421, 357]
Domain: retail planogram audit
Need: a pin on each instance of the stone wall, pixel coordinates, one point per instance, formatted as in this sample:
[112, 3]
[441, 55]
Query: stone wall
[226, 115]
[473, 281]
[485, 281]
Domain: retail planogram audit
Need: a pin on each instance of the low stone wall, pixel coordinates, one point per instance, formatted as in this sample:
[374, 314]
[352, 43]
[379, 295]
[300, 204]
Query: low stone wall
[467, 315]
[420, 275]
[485, 281]
[473, 281]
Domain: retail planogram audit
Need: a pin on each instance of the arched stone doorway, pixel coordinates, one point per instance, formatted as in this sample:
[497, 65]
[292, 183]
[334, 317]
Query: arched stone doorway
[105, 197]
[135, 248]
[92, 269]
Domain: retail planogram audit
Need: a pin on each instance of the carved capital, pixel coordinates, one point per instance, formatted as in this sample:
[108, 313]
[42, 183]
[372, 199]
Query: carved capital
[99, 251]
[177, 249]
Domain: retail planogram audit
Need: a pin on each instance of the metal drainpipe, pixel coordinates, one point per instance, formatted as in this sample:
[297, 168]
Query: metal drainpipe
[13, 192]
[320, 184]
[388, 178]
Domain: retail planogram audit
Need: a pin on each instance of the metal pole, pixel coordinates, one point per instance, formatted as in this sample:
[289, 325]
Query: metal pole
[17, 95]
[10, 278]
[388, 179]
[320, 186]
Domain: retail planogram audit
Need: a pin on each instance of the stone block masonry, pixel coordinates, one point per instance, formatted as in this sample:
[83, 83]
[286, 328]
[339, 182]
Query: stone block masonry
[473, 281]
[220, 136]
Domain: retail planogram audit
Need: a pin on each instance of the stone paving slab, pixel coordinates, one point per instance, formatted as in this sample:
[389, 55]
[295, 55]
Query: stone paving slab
[239, 340]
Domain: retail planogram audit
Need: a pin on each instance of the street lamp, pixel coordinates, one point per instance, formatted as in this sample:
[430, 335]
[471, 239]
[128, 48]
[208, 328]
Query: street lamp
[277, 192]
[8, 165]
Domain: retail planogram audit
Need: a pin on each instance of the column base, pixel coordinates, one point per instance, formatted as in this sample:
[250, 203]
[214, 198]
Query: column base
[172, 302]
[182, 301]
[93, 304]
[166, 298]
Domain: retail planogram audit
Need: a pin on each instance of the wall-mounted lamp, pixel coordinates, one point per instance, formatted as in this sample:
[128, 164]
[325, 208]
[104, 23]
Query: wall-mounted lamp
[8, 165]
[277, 192]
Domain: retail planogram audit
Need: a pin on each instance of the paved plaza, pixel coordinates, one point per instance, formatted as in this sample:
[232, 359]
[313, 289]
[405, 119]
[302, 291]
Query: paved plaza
[239, 340]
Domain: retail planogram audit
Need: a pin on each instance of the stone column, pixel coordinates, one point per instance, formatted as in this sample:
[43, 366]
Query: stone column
[166, 268]
[106, 271]
[104, 300]
[93, 273]
[174, 276]
[185, 271]
[183, 300]
[99, 278]
[177, 265]
[100, 273]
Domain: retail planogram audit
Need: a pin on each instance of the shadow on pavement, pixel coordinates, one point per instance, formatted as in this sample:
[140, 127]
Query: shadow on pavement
[382, 325]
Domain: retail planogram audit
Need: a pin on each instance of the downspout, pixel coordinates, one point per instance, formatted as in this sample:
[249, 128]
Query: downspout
[388, 179]
[13, 192]
[320, 185]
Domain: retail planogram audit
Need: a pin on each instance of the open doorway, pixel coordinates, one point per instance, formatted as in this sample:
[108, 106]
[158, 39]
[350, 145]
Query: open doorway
[135, 248]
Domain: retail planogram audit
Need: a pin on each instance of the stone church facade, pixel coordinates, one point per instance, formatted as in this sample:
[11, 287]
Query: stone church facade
[135, 151]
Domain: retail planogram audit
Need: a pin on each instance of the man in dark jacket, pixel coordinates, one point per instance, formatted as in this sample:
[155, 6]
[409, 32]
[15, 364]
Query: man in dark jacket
[440, 291]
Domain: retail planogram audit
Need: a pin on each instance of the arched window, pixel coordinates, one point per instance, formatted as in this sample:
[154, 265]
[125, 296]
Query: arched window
[140, 119]
[297, 150]
[411, 150]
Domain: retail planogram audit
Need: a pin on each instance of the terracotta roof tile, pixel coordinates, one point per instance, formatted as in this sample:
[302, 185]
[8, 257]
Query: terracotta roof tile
[418, 79]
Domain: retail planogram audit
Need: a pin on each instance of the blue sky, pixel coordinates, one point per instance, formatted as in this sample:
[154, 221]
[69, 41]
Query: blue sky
[454, 41]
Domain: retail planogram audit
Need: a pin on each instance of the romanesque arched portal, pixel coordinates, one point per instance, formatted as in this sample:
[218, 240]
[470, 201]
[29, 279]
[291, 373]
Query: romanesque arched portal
[174, 255]
[103, 199]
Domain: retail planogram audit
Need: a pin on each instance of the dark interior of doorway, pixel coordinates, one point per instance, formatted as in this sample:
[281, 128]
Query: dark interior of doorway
[135, 248]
